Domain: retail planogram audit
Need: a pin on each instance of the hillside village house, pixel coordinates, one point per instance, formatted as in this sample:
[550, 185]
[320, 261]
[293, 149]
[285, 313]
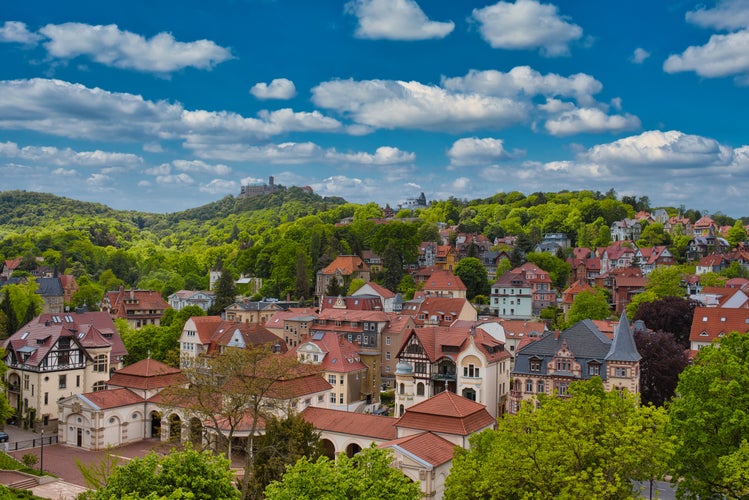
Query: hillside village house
[58, 355]
[207, 336]
[549, 364]
[466, 361]
[246, 311]
[440, 311]
[138, 307]
[292, 325]
[341, 366]
[512, 296]
[444, 284]
[343, 269]
[183, 298]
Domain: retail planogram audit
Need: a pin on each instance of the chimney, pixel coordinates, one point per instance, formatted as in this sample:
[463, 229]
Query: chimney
[132, 293]
[556, 334]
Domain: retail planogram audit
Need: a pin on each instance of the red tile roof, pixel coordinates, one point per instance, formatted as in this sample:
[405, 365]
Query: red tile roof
[447, 413]
[429, 447]
[111, 399]
[340, 355]
[357, 424]
[147, 374]
[710, 323]
[346, 265]
[442, 280]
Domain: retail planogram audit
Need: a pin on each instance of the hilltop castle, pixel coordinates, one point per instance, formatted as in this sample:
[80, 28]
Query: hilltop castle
[257, 189]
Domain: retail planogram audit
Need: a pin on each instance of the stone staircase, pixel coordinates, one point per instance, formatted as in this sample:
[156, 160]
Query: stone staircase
[25, 484]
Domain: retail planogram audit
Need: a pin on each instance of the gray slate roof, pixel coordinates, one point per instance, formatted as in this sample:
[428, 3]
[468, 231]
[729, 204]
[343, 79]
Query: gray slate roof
[623, 347]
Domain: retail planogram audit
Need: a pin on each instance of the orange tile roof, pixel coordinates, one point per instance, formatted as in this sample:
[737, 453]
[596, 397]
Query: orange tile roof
[447, 413]
[430, 447]
[346, 265]
[147, 374]
[357, 424]
[111, 399]
[205, 326]
[341, 356]
[444, 280]
[710, 323]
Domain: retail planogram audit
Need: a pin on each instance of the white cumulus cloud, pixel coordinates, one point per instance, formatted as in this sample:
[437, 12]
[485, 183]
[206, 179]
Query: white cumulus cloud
[395, 20]
[397, 104]
[590, 120]
[639, 55]
[527, 25]
[111, 46]
[723, 55]
[16, 32]
[220, 186]
[279, 88]
[476, 151]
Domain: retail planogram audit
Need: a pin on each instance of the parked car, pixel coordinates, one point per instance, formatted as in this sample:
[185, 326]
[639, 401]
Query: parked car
[3, 437]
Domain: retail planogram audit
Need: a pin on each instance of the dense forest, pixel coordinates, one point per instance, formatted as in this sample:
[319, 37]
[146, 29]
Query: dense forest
[286, 236]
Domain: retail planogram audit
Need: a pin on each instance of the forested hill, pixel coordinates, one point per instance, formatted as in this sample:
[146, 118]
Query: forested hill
[21, 211]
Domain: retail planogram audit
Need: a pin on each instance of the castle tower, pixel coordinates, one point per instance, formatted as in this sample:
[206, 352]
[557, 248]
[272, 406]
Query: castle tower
[404, 388]
[623, 360]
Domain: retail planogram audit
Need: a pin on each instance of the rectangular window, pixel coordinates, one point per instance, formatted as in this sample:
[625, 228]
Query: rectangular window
[594, 369]
[332, 379]
[320, 398]
[387, 356]
[46, 398]
[529, 386]
[332, 397]
[26, 382]
[340, 399]
[620, 372]
[341, 379]
[387, 340]
[63, 381]
[535, 365]
[77, 380]
[471, 371]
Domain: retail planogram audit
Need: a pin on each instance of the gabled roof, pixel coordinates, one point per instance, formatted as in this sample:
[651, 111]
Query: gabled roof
[443, 280]
[346, 265]
[339, 355]
[447, 413]
[426, 447]
[710, 323]
[38, 336]
[205, 326]
[49, 287]
[233, 334]
[448, 342]
[357, 424]
[377, 289]
[279, 318]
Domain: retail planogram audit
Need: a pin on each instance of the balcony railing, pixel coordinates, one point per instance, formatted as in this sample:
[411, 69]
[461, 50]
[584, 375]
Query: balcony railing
[442, 377]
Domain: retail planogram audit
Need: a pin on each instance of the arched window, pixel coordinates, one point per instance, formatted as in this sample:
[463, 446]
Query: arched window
[402, 388]
[419, 389]
[402, 410]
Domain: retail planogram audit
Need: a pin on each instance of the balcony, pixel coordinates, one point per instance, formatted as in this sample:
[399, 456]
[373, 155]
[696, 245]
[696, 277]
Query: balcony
[444, 377]
[14, 388]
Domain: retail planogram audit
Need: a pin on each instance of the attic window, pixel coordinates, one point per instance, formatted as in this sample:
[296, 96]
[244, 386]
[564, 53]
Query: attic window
[722, 320]
[25, 334]
[80, 335]
[704, 319]
[703, 334]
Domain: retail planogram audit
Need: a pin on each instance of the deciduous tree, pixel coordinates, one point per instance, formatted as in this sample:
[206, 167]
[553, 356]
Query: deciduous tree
[592, 444]
[367, 475]
[187, 474]
[473, 274]
[663, 359]
[710, 419]
[588, 304]
[669, 314]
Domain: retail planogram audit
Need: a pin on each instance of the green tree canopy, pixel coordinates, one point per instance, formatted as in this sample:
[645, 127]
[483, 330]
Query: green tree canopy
[592, 444]
[180, 474]
[367, 475]
[473, 274]
[710, 419]
[588, 304]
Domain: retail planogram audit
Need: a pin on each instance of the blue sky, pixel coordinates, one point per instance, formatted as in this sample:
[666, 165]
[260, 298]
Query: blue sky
[163, 106]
